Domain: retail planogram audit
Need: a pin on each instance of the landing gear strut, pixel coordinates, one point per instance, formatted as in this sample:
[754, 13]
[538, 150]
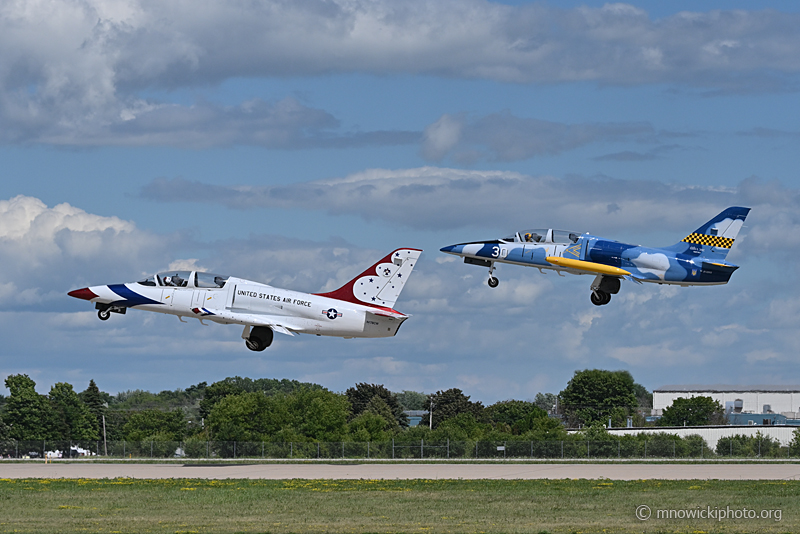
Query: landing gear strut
[493, 281]
[104, 311]
[602, 289]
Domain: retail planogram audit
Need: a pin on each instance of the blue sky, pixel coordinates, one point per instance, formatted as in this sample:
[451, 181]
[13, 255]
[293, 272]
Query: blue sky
[136, 135]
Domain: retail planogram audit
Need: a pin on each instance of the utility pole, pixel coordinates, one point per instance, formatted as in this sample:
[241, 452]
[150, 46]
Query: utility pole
[430, 417]
[105, 444]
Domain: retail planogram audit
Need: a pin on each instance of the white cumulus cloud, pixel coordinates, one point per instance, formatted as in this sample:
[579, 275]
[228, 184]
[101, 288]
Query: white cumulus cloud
[83, 71]
[44, 250]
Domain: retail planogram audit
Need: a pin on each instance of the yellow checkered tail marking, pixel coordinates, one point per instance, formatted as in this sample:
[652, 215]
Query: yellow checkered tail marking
[709, 240]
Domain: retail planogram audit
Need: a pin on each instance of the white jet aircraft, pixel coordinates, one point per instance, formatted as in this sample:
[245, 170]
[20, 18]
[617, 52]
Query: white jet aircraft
[363, 307]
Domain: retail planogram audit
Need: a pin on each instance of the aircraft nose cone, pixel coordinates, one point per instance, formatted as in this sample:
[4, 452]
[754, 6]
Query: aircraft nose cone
[85, 294]
[452, 249]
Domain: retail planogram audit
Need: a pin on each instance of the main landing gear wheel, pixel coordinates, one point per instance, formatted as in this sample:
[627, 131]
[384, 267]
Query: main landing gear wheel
[260, 338]
[255, 344]
[104, 315]
[600, 298]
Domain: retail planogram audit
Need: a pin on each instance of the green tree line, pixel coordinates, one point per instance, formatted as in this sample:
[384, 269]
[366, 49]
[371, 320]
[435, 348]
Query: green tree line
[245, 409]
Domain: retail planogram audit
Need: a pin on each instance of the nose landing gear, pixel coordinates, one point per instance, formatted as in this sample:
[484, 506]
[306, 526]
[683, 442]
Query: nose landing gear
[493, 281]
[104, 311]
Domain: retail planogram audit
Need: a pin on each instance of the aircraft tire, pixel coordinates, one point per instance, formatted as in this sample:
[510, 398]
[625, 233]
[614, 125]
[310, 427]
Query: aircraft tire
[600, 298]
[493, 282]
[260, 338]
[254, 344]
[104, 315]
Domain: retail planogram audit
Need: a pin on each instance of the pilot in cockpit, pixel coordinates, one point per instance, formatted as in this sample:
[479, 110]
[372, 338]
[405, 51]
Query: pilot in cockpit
[177, 281]
[532, 237]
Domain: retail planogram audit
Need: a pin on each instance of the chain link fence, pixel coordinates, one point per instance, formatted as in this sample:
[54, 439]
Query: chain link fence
[691, 447]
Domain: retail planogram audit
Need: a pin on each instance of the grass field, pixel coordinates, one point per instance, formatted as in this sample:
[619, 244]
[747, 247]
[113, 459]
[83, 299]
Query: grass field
[421, 506]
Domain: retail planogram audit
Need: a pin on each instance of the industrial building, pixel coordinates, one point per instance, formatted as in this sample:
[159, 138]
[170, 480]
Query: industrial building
[760, 399]
[712, 434]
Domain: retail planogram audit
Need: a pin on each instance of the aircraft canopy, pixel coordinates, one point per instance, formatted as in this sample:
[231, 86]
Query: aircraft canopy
[543, 235]
[186, 279]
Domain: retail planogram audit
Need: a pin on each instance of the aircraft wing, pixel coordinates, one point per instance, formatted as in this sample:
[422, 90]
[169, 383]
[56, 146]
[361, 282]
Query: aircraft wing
[278, 323]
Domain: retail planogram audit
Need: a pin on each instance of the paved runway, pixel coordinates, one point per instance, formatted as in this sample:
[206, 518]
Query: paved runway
[766, 471]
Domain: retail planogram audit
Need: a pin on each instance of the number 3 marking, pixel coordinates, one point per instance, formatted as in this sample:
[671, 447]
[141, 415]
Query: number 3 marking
[495, 251]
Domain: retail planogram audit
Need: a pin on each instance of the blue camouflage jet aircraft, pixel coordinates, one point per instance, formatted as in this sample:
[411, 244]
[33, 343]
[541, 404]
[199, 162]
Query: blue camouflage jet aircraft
[698, 259]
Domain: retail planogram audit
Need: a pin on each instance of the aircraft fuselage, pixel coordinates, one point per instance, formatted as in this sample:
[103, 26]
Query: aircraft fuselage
[698, 259]
[241, 299]
[646, 264]
[360, 308]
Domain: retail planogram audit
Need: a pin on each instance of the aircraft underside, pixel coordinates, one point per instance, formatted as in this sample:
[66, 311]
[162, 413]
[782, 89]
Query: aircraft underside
[604, 285]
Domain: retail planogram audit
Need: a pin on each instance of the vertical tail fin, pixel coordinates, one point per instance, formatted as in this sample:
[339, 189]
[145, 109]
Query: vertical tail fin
[381, 284]
[715, 238]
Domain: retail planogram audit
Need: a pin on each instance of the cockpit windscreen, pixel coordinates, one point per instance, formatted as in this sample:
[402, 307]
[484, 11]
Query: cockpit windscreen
[543, 235]
[186, 279]
[174, 278]
[209, 280]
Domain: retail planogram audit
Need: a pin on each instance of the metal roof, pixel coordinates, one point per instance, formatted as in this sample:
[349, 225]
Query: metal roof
[725, 388]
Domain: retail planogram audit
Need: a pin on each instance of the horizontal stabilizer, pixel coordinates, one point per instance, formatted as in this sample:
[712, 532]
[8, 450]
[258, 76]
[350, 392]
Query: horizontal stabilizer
[388, 313]
[716, 272]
